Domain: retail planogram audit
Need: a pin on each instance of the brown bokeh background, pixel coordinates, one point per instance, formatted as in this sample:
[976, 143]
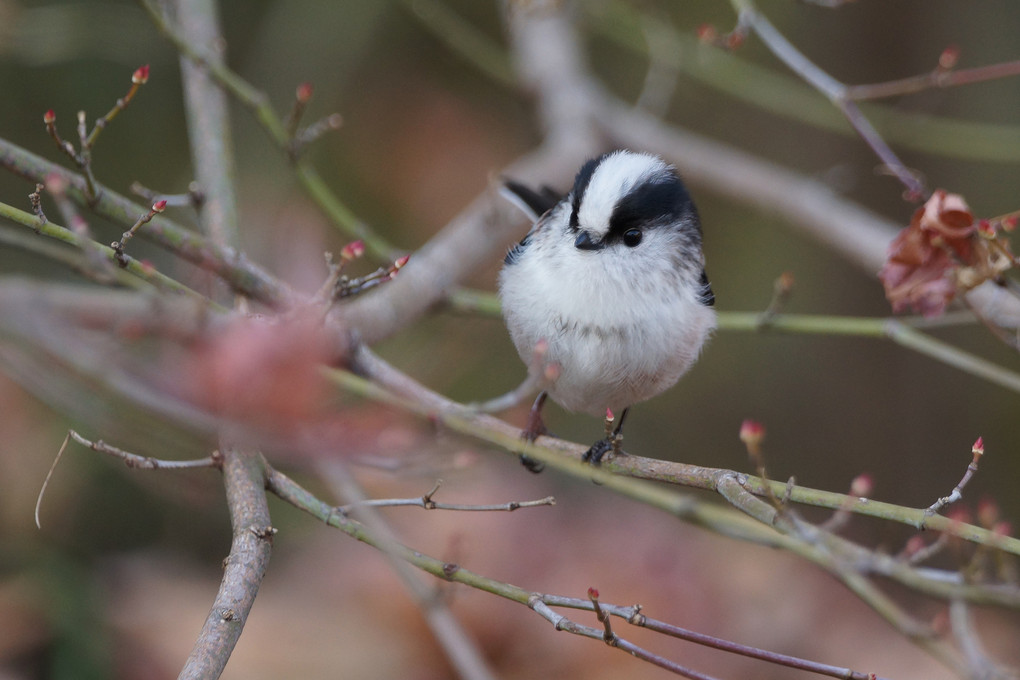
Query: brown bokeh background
[119, 579]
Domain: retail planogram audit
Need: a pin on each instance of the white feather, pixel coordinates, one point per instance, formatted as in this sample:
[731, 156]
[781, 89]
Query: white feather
[623, 324]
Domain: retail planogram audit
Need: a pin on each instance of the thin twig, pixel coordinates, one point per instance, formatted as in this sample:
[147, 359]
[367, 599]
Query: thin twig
[139, 272]
[427, 502]
[977, 451]
[937, 78]
[541, 604]
[461, 649]
[233, 268]
[145, 218]
[130, 459]
[749, 16]
[340, 215]
[133, 460]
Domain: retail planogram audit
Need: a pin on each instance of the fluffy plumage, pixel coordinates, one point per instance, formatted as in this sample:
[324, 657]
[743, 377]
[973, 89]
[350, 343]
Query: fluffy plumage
[612, 278]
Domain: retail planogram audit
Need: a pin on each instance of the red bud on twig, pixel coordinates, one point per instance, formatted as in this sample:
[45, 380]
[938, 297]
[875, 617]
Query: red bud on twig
[141, 75]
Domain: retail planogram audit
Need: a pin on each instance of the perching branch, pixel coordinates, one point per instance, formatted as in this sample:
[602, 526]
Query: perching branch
[541, 604]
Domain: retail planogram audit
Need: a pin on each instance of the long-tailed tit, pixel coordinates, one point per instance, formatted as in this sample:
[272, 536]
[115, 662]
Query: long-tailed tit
[609, 286]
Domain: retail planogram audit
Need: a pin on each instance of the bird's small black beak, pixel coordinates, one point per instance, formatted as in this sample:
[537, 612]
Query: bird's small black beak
[584, 242]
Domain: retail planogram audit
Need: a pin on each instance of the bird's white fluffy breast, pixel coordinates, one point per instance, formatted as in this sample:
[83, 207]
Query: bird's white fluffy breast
[621, 329]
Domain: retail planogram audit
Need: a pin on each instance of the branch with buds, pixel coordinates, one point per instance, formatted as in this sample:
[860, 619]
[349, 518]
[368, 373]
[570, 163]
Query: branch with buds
[118, 246]
[82, 157]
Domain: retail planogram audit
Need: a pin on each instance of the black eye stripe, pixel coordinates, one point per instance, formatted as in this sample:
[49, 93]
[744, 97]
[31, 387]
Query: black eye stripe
[661, 198]
[581, 182]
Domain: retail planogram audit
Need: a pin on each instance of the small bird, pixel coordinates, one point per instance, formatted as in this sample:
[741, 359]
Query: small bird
[609, 288]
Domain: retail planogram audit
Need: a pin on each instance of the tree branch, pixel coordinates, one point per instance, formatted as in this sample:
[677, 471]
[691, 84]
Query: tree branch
[244, 479]
[242, 275]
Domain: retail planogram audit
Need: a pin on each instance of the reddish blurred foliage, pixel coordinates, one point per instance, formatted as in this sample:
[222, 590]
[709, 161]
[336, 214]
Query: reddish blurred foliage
[943, 251]
[262, 370]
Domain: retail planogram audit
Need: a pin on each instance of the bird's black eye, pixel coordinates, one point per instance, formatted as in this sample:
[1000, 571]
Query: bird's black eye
[631, 237]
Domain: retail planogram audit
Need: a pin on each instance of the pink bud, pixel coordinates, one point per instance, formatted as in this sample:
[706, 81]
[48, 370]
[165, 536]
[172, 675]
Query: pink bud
[304, 92]
[949, 57]
[979, 447]
[159, 206]
[609, 414]
[1009, 224]
[49, 117]
[352, 250]
[593, 594]
[751, 432]
[401, 261]
[141, 75]
[55, 183]
[707, 33]
[861, 486]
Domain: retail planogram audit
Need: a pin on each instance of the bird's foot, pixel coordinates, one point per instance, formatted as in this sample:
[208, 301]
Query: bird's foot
[610, 443]
[533, 429]
[599, 449]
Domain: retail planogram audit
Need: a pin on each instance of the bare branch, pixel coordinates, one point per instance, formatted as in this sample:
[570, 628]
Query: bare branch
[233, 267]
[427, 502]
[245, 481]
[542, 604]
[133, 460]
[750, 17]
[976, 451]
[400, 390]
[460, 647]
[208, 123]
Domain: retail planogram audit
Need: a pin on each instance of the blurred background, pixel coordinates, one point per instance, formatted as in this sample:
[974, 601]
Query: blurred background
[119, 579]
